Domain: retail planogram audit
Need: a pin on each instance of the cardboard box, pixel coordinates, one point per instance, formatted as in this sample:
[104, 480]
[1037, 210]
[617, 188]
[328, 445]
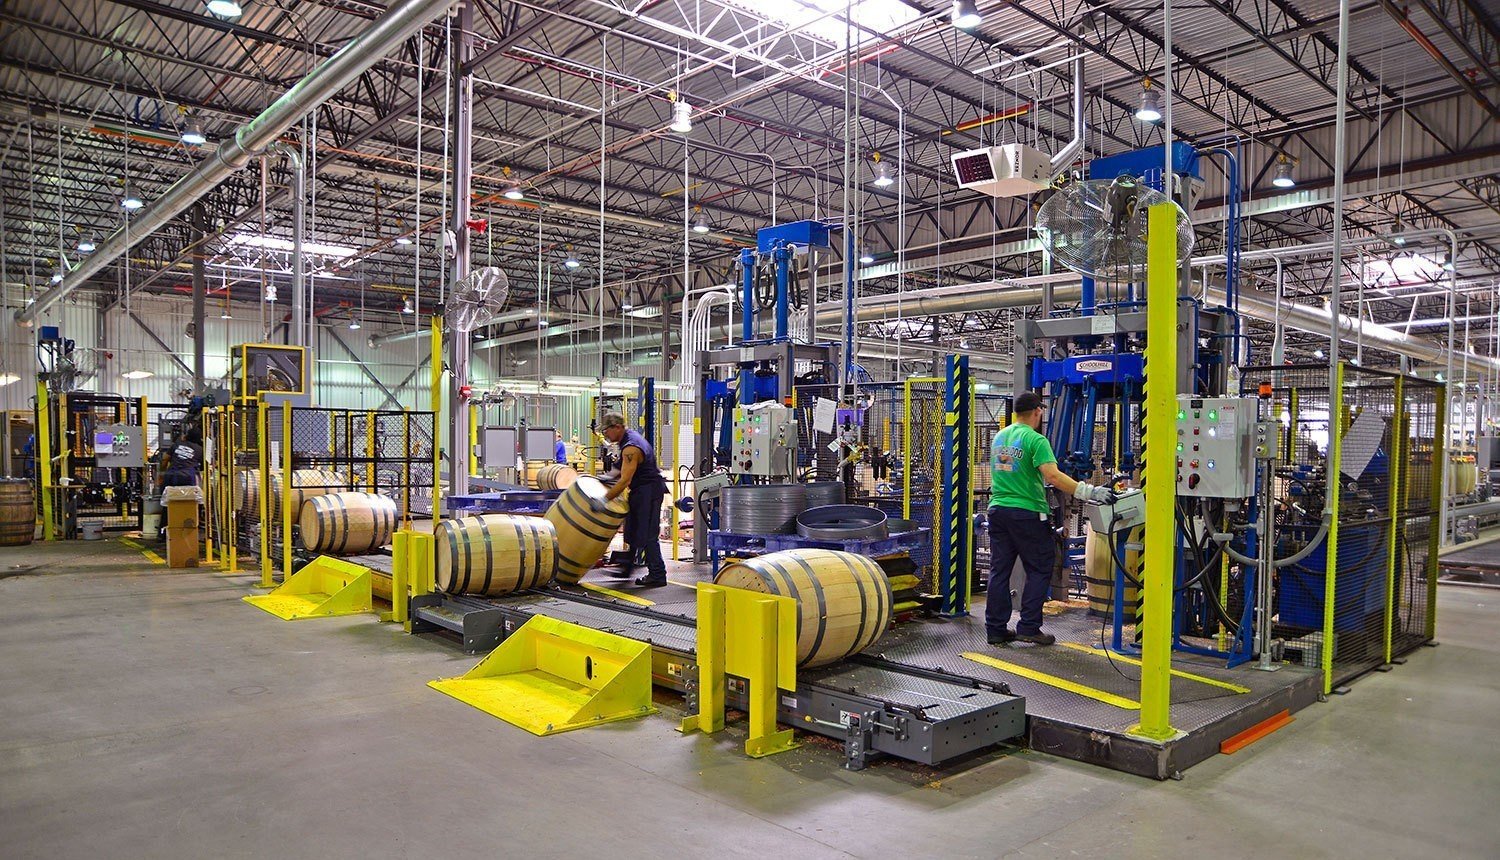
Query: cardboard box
[182, 546]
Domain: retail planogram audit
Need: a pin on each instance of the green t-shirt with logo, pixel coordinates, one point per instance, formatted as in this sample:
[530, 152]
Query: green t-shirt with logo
[1016, 456]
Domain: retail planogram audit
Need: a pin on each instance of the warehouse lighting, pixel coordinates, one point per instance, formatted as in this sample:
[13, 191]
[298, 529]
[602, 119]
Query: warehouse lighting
[866, 258]
[682, 117]
[1318, 353]
[571, 262]
[966, 14]
[403, 240]
[1398, 234]
[59, 274]
[1283, 177]
[225, 315]
[7, 378]
[273, 243]
[226, 9]
[1448, 263]
[407, 306]
[514, 192]
[883, 178]
[131, 203]
[137, 374]
[700, 224]
[1150, 109]
[86, 245]
[354, 325]
[192, 134]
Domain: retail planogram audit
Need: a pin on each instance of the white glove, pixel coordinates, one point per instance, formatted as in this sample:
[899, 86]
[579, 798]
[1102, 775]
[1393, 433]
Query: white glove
[1086, 492]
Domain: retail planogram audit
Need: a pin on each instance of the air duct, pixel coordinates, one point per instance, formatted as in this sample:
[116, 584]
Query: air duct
[399, 23]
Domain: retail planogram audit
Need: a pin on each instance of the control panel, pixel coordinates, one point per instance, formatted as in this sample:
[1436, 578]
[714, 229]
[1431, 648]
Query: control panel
[765, 440]
[1216, 447]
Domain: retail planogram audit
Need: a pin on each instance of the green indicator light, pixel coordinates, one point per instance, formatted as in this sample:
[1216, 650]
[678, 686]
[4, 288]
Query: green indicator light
[1181, 416]
[1213, 415]
[1179, 447]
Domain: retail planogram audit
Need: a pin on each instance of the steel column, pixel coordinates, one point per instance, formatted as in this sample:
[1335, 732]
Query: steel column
[459, 343]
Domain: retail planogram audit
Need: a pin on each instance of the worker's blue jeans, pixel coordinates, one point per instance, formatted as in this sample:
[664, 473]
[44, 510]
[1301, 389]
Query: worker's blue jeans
[642, 522]
[1018, 533]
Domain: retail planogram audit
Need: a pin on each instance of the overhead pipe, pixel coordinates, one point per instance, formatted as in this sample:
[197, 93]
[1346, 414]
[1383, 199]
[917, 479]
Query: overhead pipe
[1070, 150]
[300, 329]
[401, 21]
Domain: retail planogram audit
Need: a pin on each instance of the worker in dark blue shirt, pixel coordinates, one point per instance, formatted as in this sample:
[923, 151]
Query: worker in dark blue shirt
[560, 450]
[640, 474]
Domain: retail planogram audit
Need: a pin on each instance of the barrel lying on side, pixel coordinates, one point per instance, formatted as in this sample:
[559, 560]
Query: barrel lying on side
[17, 512]
[551, 476]
[843, 599]
[347, 523]
[583, 534]
[306, 484]
[494, 554]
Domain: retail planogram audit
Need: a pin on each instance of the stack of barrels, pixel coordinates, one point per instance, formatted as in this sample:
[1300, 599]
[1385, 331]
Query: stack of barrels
[306, 484]
[17, 512]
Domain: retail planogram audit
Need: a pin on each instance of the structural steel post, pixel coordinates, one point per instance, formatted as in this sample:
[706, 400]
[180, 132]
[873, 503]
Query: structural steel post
[459, 345]
[1161, 488]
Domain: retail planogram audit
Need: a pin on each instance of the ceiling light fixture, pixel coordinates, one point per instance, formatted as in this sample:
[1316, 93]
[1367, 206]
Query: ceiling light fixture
[226, 9]
[1150, 109]
[59, 274]
[700, 224]
[192, 134]
[274, 243]
[7, 378]
[137, 374]
[571, 262]
[883, 178]
[1318, 353]
[966, 15]
[354, 325]
[1398, 234]
[514, 192]
[682, 117]
[1448, 265]
[131, 202]
[403, 240]
[408, 306]
[866, 258]
[86, 245]
[1283, 177]
[225, 315]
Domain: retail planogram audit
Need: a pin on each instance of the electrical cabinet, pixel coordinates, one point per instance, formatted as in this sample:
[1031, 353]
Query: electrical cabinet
[1215, 447]
[765, 440]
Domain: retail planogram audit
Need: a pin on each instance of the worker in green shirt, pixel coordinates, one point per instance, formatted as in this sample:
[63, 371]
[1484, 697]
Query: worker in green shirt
[1021, 460]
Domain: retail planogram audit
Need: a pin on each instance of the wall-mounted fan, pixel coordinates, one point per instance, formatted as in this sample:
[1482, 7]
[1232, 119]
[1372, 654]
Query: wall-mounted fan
[476, 299]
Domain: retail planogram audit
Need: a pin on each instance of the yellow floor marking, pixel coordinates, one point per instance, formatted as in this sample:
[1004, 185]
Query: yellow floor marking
[618, 595]
[155, 559]
[132, 544]
[1054, 681]
[1213, 682]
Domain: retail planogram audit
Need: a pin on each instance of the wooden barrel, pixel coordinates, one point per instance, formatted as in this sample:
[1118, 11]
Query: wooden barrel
[550, 476]
[495, 554]
[347, 523]
[1099, 573]
[843, 599]
[583, 534]
[17, 512]
[306, 484]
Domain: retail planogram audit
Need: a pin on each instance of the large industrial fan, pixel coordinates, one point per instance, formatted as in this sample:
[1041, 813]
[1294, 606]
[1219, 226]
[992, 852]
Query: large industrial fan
[477, 299]
[1097, 227]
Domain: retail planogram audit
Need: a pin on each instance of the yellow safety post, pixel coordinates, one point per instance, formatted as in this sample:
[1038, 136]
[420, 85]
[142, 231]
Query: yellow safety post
[473, 420]
[266, 581]
[1397, 451]
[406, 459]
[233, 519]
[44, 459]
[1434, 539]
[437, 411]
[210, 514]
[400, 599]
[370, 451]
[1159, 473]
[286, 492]
[750, 635]
[1336, 418]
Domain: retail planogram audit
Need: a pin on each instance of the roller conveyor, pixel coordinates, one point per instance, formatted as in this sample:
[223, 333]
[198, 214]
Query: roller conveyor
[921, 716]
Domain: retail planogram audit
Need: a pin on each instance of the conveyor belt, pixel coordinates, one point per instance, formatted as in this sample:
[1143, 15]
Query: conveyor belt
[919, 716]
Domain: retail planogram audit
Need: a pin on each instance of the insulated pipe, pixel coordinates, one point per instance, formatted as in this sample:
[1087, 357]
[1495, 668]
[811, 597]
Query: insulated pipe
[1070, 150]
[403, 19]
[301, 325]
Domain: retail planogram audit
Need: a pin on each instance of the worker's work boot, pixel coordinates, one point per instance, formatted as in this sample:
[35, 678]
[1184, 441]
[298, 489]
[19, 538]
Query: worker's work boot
[649, 581]
[1003, 637]
[1038, 638]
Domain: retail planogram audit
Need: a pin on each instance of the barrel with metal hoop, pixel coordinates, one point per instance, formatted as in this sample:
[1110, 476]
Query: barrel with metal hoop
[306, 484]
[347, 523]
[842, 522]
[583, 534]
[494, 554]
[761, 509]
[551, 476]
[17, 512]
[843, 599]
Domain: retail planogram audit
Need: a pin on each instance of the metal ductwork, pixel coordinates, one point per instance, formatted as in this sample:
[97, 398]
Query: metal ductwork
[400, 22]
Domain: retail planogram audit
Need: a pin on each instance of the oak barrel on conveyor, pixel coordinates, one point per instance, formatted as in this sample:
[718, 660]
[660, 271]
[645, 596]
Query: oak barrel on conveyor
[495, 554]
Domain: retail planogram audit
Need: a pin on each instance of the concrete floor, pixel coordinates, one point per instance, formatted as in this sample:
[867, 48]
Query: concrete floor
[150, 713]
